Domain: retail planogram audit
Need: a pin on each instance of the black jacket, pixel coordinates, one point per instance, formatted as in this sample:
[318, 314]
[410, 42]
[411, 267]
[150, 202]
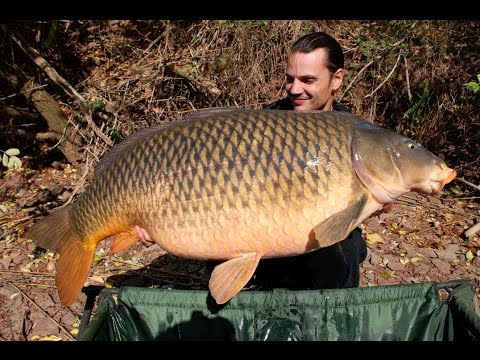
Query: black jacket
[286, 104]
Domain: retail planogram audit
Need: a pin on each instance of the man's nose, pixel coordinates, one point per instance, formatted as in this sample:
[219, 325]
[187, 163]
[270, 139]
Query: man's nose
[296, 88]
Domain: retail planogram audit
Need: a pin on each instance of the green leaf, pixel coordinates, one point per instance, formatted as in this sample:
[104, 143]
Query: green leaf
[385, 275]
[12, 152]
[5, 160]
[98, 104]
[469, 255]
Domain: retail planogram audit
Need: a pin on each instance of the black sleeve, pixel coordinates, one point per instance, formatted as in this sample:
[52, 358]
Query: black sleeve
[340, 107]
[286, 104]
[282, 104]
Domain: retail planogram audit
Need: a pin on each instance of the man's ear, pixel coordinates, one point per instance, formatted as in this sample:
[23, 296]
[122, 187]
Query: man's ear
[337, 78]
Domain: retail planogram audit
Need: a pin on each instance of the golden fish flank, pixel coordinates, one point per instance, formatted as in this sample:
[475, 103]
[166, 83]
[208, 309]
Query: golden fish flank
[237, 185]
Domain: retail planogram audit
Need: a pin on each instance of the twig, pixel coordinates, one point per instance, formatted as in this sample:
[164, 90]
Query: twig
[467, 198]
[22, 92]
[24, 320]
[408, 80]
[206, 84]
[354, 79]
[388, 77]
[49, 135]
[59, 140]
[147, 267]
[174, 281]
[34, 284]
[468, 183]
[5, 234]
[79, 184]
[435, 228]
[45, 313]
[407, 200]
[26, 273]
[12, 223]
[142, 60]
[55, 76]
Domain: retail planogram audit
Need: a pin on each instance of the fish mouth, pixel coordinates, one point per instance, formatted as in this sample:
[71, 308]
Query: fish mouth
[443, 176]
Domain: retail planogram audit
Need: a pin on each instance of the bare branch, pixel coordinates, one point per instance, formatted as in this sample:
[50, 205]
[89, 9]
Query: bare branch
[202, 83]
[409, 93]
[468, 183]
[48, 136]
[388, 77]
[23, 92]
[79, 185]
[354, 79]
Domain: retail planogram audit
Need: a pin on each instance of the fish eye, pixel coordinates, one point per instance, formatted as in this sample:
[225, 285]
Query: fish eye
[412, 145]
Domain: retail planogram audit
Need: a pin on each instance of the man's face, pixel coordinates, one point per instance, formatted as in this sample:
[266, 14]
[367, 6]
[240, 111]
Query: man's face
[310, 85]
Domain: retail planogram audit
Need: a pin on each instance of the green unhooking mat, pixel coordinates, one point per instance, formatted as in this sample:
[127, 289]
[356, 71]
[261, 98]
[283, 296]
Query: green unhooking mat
[391, 312]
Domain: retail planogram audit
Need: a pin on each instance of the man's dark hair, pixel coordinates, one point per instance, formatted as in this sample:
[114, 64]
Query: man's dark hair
[316, 40]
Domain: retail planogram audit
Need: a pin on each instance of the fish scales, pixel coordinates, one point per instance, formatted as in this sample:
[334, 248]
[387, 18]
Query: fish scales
[234, 184]
[159, 173]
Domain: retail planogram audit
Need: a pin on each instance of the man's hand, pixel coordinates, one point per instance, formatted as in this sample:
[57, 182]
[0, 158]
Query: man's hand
[144, 236]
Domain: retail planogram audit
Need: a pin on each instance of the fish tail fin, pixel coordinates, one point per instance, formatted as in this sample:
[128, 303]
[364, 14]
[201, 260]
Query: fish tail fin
[55, 234]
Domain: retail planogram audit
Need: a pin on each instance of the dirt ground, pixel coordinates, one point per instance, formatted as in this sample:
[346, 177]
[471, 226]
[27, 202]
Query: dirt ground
[421, 239]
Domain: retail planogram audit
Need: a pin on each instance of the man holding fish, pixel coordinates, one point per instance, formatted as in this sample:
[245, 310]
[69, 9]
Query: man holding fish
[314, 73]
[245, 187]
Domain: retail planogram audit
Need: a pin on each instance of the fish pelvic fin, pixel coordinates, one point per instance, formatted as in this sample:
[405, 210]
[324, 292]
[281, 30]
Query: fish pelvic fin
[230, 277]
[338, 226]
[55, 234]
[123, 241]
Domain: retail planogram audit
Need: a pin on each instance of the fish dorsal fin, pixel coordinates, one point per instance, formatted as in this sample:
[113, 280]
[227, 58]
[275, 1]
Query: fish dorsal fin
[126, 144]
[140, 135]
[338, 226]
[230, 277]
[205, 113]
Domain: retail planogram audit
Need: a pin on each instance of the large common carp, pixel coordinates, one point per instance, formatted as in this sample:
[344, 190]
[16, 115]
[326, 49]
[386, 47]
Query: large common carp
[237, 185]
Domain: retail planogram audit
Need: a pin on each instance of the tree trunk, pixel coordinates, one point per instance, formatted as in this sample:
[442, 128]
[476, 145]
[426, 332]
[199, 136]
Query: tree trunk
[45, 104]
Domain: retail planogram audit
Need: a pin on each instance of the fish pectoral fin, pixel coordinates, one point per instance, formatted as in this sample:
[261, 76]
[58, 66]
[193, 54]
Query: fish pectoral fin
[338, 226]
[123, 241]
[230, 277]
